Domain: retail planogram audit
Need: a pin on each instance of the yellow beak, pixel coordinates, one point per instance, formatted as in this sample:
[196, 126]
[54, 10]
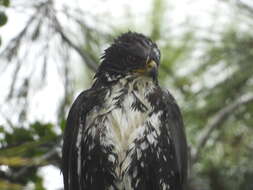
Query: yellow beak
[151, 66]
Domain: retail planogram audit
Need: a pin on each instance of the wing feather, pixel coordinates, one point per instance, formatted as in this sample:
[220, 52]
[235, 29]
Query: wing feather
[178, 135]
[77, 115]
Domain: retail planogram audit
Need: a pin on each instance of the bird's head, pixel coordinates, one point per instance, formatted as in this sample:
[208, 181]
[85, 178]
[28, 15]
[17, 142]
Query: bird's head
[130, 54]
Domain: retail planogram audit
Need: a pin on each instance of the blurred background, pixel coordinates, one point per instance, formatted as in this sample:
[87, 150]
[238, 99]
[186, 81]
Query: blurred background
[50, 50]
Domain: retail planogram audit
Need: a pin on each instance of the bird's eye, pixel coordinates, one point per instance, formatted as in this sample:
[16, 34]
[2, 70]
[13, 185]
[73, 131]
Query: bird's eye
[131, 58]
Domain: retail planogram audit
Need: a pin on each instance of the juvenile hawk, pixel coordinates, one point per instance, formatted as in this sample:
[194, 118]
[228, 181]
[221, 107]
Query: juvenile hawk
[125, 132]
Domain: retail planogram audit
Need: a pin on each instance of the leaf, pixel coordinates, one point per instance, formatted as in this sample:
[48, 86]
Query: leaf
[6, 3]
[3, 18]
[28, 147]
[14, 161]
[5, 185]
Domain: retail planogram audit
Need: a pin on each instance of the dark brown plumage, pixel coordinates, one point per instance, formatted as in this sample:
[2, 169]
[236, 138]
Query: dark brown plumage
[125, 132]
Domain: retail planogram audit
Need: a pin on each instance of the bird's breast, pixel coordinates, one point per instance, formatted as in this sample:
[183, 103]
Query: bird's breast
[127, 126]
[125, 120]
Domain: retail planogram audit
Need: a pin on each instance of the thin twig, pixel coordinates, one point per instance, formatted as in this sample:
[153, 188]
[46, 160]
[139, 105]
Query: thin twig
[86, 58]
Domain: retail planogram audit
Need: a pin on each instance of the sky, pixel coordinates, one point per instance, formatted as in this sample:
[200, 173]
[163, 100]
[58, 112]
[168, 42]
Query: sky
[114, 12]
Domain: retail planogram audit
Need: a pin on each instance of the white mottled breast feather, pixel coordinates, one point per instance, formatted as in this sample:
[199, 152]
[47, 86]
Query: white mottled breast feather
[122, 125]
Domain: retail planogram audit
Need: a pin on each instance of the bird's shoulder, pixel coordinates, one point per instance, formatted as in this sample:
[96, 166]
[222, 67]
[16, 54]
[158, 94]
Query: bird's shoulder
[162, 99]
[88, 99]
[172, 119]
[84, 102]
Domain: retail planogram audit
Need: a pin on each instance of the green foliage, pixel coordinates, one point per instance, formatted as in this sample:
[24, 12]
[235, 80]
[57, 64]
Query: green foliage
[3, 18]
[5, 3]
[9, 186]
[23, 149]
[157, 18]
[226, 158]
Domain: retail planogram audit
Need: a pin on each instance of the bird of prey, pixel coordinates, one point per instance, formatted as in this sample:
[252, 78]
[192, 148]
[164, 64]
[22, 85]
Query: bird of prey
[125, 132]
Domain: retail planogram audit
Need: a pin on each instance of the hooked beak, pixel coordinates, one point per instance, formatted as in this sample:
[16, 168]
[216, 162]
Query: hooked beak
[150, 69]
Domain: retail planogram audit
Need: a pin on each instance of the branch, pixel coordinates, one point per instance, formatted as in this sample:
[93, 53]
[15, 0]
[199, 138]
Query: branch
[245, 6]
[7, 177]
[86, 58]
[13, 45]
[17, 175]
[37, 161]
[14, 80]
[216, 121]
